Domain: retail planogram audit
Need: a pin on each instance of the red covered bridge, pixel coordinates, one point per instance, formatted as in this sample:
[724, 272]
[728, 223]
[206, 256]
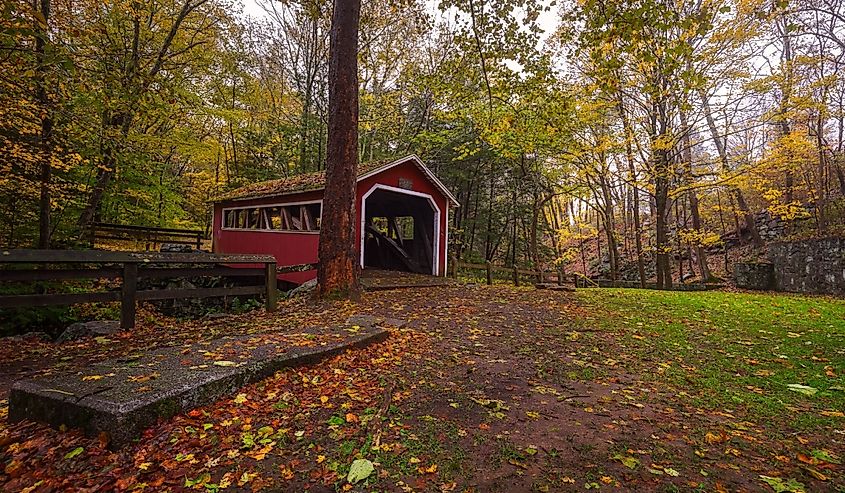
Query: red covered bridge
[402, 213]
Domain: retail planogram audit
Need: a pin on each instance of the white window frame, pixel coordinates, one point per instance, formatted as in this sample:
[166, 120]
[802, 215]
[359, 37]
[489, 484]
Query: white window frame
[261, 206]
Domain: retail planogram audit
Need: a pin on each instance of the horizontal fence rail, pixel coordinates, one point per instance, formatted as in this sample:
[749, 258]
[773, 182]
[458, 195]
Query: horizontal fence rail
[576, 278]
[488, 267]
[147, 234]
[30, 265]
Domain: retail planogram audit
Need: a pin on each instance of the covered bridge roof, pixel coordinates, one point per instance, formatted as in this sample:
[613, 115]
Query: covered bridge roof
[308, 182]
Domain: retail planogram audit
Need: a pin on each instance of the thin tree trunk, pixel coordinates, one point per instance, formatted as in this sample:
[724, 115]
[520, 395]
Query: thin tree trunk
[488, 240]
[821, 199]
[839, 158]
[701, 252]
[786, 94]
[721, 148]
[610, 229]
[232, 130]
[598, 241]
[535, 226]
[632, 176]
[46, 127]
[105, 173]
[678, 227]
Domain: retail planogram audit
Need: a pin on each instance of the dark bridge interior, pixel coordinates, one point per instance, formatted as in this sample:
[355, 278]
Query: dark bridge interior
[399, 232]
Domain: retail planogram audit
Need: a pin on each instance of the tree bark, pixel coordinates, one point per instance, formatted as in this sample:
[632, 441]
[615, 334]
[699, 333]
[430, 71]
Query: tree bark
[661, 182]
[786, 95]
[700, 251]
[660, 166]
[839, 156]
[632, 173]
[122, 121]
[610, 229]
[44, 228]
[338, 271]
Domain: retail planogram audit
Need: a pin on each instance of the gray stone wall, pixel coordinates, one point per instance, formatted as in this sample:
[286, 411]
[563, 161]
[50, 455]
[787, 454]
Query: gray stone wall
[754, 275]
[810, 266]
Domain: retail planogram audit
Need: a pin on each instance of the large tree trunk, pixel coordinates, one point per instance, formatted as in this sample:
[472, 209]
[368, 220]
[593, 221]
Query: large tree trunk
[661, 193]
[338, 271]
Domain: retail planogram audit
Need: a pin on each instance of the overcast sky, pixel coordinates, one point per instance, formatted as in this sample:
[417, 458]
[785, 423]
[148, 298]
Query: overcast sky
[547, 21]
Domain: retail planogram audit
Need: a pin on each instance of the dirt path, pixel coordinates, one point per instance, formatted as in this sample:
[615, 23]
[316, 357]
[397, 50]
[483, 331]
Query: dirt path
[488, 389]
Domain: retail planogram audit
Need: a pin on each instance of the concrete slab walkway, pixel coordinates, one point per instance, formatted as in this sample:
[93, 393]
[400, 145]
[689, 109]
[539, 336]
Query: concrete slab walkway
[122, 397]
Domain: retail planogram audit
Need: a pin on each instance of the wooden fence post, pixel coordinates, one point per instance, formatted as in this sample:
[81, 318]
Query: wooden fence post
[453, 266]
[560, 275]
[515, 276]
[272, 289]
[489, 273]
[540, 276]
[127, 295]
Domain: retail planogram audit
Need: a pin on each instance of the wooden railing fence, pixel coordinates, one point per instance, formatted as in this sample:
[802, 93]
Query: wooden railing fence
[33, 265]
[151, 237]
[576, 278]
[515, 272]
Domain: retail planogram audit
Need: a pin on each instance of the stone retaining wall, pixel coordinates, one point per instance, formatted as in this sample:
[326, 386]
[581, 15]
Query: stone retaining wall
[755, 275]
[810, 266]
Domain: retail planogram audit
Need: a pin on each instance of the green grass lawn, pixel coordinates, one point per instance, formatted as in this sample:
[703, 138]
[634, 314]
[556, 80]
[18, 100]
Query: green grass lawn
[736, 351]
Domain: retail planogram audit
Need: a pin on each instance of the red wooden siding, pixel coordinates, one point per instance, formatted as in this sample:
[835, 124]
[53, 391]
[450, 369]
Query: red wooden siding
[291, 248]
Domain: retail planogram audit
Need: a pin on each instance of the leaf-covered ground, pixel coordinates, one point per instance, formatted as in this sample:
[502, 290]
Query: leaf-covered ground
[488, 389]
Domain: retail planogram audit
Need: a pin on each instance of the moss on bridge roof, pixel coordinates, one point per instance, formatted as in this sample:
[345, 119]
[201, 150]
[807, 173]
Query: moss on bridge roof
[305, 182]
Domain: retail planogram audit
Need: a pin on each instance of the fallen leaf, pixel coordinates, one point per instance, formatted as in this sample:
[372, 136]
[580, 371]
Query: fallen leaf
[781, 486]
[826, 456]
[359, 470]
[627, 461]
[73, 453]
[802, 389]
